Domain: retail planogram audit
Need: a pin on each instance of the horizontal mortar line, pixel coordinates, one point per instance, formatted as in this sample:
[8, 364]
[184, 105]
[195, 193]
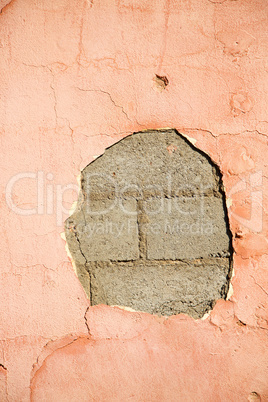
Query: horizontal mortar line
[185, 261]
[165, 193]
[106, 198]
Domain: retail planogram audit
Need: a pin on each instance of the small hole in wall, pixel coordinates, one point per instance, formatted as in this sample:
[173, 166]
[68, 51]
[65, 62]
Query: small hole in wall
[160, 82]
[254, 396]
[150, 230]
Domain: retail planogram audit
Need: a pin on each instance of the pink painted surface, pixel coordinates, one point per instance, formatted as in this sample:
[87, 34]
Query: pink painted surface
[75, 78]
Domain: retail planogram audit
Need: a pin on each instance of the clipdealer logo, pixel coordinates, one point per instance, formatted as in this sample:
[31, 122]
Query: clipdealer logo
[50, 198]
[254, 184]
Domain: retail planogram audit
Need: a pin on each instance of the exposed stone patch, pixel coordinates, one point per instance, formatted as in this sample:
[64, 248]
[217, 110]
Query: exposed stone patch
[150, 230]
[165, 287]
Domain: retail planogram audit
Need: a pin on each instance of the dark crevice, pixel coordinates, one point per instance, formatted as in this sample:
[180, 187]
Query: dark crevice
[86, 323]
[141, 222]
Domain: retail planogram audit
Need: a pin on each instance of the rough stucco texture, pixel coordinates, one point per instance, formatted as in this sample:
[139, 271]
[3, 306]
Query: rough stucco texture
[76, 77]
[149, 225]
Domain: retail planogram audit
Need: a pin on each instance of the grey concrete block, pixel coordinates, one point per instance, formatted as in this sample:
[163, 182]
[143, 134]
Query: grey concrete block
[150, 163]
[103, 233]
[196, 230]
[160, 287]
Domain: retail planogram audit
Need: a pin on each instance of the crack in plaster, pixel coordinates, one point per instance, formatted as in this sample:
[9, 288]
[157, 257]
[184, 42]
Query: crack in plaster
[223, 134]
[243, 327]
[250, 257]
[259, 285]
[52, 86]
[37, 66]
[217, 2]
[81, 50]
[106, 93]
[85, 318]
[79, 244]
[164, 41]
[49, 67]
[80, 43]
[5, 6]
[36, 367]
[16, 338]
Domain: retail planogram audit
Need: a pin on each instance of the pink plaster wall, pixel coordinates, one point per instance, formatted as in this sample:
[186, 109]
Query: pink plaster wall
[77, 76]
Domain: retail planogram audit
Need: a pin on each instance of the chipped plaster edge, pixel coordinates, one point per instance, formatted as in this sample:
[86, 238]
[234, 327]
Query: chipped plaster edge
[62, 234]
[193, 141]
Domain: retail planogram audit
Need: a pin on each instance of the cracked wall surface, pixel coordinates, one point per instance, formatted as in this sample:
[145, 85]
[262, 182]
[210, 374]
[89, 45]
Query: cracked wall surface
[150, 228]
[77, 77]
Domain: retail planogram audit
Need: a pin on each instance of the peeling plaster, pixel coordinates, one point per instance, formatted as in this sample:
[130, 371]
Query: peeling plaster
[117, 260]
[216, 95]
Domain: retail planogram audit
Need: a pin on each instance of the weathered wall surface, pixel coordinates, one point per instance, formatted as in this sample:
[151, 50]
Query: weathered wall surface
[75, 78]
